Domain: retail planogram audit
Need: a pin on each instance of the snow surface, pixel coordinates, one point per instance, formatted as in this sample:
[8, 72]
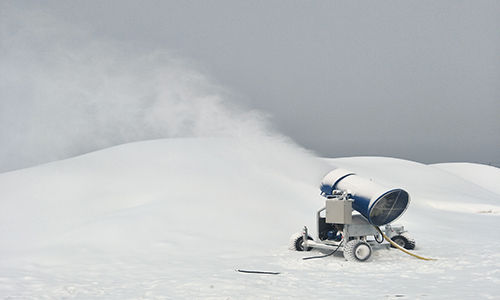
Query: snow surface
[482, 175]
[174, 218]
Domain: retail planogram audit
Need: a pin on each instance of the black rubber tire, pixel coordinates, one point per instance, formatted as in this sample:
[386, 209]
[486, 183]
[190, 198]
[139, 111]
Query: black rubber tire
[357, 250]
[297, 240]
[404, 241]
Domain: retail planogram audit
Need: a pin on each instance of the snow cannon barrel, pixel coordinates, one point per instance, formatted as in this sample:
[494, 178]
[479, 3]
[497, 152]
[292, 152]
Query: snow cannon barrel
[380, 205]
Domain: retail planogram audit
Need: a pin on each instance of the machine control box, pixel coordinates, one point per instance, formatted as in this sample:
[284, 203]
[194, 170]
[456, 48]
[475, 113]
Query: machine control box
[338, 211]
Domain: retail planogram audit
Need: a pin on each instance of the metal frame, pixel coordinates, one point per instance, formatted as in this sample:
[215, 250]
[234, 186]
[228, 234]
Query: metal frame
[359, 229]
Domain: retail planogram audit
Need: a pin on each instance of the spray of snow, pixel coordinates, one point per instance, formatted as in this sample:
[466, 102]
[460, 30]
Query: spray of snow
[65, 93]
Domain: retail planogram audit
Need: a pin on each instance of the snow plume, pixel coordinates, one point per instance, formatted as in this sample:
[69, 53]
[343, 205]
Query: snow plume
[64, 93]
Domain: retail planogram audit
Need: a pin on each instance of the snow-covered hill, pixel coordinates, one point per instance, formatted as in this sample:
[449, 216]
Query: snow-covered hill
[174, 218]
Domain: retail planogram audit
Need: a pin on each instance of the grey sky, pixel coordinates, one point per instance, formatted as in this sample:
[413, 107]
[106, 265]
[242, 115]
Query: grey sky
[413, 79]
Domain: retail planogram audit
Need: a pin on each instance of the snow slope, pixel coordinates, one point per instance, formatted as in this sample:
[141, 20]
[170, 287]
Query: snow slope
[482, 175]
[174, 218]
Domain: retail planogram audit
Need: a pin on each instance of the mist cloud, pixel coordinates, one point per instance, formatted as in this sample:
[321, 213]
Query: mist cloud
[64, 93]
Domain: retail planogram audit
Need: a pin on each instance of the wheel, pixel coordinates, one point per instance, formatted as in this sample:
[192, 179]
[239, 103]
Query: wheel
[296, 242]
[357, 250]
[404, 240]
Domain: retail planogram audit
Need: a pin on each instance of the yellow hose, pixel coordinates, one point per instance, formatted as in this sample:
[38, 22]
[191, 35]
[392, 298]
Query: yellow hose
[401, 248]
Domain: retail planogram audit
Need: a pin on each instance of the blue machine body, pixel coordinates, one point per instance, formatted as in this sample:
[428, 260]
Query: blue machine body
[379, 204]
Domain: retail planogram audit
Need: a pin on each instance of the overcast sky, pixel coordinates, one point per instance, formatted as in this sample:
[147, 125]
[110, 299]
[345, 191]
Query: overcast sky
[418, 80]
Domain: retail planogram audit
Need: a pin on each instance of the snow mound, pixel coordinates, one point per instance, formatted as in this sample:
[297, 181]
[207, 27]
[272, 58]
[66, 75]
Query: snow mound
[136, 196]
[174, 218]
[487, 177]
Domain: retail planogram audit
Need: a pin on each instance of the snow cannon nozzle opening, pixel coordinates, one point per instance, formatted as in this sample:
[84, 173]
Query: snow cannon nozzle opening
[380, 205]
[389, 207]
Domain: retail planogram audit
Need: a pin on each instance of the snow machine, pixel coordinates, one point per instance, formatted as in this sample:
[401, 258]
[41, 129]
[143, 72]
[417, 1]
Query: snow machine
[349, 222]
